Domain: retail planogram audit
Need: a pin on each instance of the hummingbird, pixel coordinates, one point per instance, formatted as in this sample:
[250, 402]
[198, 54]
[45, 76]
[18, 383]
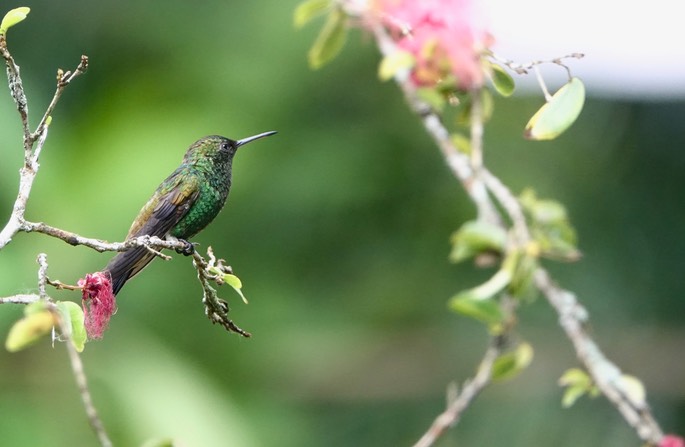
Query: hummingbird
[183, 204]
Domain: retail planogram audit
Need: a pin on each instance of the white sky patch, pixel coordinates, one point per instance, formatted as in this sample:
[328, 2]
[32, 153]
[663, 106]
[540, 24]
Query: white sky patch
[633, 50]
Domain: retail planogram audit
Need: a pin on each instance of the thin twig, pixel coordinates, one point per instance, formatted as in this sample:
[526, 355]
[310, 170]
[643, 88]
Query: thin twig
[30, 169]
[216, 309]
[461, 402]
[543, 86]
[606, 375]
[519, 68]
[42, 275]
[82, 383]
[24, 298]
[63, 80]
[74, 357]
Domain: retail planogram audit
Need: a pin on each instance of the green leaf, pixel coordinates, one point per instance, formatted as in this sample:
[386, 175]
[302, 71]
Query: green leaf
[29, 329]
[237, 285]
[558, 113]
[308, 10]
[35, 307]
[487, 104]
[572, 394]
[433, 97]
[330, 40]
[510, 364]
[487, 311]
[72, 316]
[13, 17]
[162, 442]
[550, 227]
[574, 376]
[522, 285]
[393, 63]
[577, 383]
[502, 81]
[491, 287]
[476, 237]
[478, 302]
[461, 142]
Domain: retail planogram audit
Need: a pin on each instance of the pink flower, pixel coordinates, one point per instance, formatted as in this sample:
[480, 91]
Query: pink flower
[99, 303]
[444, 37]
[672, 441]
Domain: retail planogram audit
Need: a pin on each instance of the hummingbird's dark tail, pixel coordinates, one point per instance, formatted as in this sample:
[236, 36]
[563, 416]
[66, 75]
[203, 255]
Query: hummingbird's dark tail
[126, 265]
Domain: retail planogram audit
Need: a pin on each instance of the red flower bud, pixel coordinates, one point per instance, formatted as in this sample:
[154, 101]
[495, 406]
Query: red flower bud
[99, 303]
[672, 441]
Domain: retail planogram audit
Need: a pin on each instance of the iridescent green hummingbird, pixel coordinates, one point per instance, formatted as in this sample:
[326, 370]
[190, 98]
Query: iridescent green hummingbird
[184, 204]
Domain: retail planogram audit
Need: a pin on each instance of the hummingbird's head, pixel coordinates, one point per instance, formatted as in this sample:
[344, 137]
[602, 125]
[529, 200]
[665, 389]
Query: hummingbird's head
[218, 148]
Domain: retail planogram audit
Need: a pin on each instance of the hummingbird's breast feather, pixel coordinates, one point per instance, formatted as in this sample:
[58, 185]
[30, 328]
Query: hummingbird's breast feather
[210, 200]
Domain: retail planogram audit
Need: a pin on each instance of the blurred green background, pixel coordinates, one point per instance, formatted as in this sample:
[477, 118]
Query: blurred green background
[338, 228]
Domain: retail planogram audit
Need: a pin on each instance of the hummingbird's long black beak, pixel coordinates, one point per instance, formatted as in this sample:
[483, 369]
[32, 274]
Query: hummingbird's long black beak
[252, 138]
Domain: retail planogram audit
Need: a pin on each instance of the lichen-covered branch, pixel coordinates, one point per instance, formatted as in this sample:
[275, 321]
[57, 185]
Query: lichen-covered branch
[490, 195]
[216, 309]
[23, 298]
[606, 375]
[74, 357]
[469, 391]
[33, 141]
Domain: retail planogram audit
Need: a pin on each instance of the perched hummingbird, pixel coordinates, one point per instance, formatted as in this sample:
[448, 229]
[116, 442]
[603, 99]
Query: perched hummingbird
[184, 204]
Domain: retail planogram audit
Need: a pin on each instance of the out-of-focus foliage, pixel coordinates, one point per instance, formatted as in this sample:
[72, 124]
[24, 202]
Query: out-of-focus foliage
[339, 229]
[13, 17]
[560, 111]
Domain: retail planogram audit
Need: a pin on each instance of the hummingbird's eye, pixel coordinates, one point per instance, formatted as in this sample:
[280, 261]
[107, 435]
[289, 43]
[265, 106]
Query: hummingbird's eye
[225, 146]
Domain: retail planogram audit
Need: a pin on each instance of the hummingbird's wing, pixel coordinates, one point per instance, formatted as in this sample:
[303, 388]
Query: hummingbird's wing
[168, 205]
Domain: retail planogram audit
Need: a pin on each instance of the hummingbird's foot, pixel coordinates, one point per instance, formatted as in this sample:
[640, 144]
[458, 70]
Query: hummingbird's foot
[187, 250]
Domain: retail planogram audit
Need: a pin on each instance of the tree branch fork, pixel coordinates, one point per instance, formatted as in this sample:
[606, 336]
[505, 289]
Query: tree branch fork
[496, 204]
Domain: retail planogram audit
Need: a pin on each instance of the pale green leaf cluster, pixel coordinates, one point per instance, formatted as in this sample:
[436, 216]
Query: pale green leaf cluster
[476, 237]
[160, 442]
[237, 285]
[37, 322]
[13, 17]
[550, 227]
[230, 279]
[333, 35]
[40, 320]
[309, 10]
[394, 63]
[577, 383]
[72, 317]
[509, 365]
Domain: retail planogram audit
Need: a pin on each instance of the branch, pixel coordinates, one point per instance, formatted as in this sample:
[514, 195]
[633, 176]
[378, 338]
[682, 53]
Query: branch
[216, 309]
[20, 299]
[99, 244]
[484, 189]
[74, 357]
[606, 375]
[31, 154]
[458, 404]
[82, 383]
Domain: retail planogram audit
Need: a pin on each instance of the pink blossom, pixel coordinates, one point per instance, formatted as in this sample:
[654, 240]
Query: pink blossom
[444, 36]
[672, 441]
[99, 303]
